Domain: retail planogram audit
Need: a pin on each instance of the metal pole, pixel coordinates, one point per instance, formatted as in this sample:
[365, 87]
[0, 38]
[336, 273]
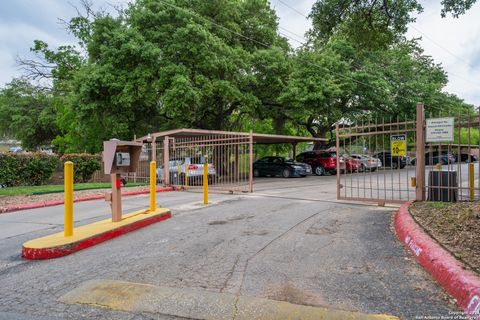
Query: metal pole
[166, 161]
[420, 152]
[68, 210]
[250, 177]
[205, 182]
[471, 181]
[153, 186]
[337, 145]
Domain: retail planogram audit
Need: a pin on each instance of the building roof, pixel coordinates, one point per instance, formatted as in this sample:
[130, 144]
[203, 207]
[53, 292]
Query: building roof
[258, 138]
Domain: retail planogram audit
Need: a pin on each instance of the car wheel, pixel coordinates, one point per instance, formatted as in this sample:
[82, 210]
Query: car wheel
[363, 168]
[373, 169]
[320, 171]
[286, 173]
[256, 173]
[394, 165]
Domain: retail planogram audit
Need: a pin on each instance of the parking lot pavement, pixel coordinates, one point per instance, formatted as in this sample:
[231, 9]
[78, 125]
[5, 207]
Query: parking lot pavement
[289, 243]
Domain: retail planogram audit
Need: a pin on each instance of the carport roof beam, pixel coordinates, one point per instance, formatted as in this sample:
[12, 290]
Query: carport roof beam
[258, 138]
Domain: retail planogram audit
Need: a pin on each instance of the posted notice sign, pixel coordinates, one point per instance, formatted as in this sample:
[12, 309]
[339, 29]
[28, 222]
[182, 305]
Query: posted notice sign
[440, 130]
[398, 143]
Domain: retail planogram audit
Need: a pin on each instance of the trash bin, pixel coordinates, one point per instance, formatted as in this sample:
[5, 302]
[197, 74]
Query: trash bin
[442, 186]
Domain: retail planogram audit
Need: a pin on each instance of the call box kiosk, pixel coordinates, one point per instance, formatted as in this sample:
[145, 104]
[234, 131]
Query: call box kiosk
[119, 157]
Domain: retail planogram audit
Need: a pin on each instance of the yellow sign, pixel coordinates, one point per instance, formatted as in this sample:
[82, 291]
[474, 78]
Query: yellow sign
[398, 143]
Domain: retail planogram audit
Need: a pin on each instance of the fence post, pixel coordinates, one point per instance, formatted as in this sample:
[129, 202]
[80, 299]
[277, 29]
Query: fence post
[337, 146]
[420, 153]
[153, 186]
[166, 160]
[68, 210]
[471, 180]
[250, 176]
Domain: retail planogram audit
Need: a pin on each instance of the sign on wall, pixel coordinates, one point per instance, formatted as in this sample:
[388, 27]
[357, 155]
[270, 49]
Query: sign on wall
[398, 144]
[440, 129]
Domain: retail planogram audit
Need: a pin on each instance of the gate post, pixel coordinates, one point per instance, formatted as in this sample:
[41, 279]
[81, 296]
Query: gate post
[337, 146]
[166, 160]
[250, 175]
[420, 152]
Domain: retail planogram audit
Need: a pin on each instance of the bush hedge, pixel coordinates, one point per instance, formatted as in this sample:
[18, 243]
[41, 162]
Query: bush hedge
[84, 165]
[21, 169]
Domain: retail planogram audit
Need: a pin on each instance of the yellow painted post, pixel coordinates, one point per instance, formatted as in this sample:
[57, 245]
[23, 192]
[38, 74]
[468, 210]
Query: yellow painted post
[205, 182]
[471, 182]
[186, 176]
[153, 186]
[413, 181]
[438, 166]
[68, 210]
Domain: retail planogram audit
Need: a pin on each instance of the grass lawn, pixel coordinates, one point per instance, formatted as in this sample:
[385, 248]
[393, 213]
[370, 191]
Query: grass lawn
[11, 191]
[3, 148]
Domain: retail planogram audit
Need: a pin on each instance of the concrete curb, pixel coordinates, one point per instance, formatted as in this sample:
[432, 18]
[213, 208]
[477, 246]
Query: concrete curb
[41, 204]
[462, 284]
[49, 252]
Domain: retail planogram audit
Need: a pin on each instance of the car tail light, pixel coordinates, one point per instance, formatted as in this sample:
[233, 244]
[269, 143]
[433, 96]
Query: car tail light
[213, 166]
[192, 167]
[371, 161]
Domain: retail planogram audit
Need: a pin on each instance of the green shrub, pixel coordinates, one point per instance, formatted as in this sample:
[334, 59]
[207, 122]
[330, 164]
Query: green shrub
[84, 165]
[25, 169]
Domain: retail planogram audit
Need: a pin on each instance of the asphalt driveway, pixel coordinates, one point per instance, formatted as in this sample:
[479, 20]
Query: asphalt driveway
[292, 242]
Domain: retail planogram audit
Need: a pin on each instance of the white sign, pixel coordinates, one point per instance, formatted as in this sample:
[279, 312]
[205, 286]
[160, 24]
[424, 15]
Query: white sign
[440, 129]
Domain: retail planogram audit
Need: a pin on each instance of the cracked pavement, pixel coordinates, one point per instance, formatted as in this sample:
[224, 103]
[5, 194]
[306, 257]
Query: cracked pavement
[289, 241]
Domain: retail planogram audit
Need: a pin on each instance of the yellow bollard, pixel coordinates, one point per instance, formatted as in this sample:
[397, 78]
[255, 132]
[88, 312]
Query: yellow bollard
[186, 176]
[205, 183]
[68, 210]
[438, 166]
[153, 186]
[413, 181]
[471, 181]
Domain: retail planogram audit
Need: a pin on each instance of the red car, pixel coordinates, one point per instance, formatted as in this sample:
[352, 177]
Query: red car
[326, 161]
[320, 161]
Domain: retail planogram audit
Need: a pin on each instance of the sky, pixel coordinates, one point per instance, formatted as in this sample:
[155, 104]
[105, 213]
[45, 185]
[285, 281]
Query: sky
[452, 42]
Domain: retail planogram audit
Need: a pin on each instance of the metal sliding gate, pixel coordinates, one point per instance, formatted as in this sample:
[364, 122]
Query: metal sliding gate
[227, 155]
[409, 168]
[181, 161]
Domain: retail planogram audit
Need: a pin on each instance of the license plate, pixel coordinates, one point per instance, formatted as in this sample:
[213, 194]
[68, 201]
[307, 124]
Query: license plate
[308, 170]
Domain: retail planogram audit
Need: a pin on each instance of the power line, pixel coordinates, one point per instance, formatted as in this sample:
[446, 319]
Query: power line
[262, 43]
[293, 33]
[439, 45]
[292, 8]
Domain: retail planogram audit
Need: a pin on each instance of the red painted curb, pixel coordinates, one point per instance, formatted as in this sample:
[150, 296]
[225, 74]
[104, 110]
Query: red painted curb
[41, 204]
[462, 284]
[55, 252]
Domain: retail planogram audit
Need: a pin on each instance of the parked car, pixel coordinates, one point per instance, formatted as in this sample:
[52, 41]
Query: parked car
[349, 163]
[280, 166]
[191, 165]
[367, 163]
[434, 158]
[391, 161]
[320, 161]
[464, 157]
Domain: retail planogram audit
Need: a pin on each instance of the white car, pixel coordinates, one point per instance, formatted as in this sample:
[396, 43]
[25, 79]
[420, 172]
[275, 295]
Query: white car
[189, 166]
[367, 163]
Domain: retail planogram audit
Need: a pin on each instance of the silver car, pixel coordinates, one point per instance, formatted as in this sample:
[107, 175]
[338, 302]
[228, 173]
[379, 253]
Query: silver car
[191, 167]
[367, 163]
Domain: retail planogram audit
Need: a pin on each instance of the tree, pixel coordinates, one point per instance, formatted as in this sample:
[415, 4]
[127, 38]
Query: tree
[28, 113]
[372, 23]
[166, 64]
